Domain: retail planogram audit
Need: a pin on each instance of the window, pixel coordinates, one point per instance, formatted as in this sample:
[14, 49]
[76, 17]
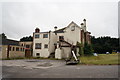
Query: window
[23, 49]
[10, 48]
[36, 35]
[20, 49]
[22, 45]
[13, 48]
[27, 46]
[0, 48]
[37, 54]
[37, 45]
[45, 35]
[61, 38]
[17, 48]
[72, 28]
[46, 46]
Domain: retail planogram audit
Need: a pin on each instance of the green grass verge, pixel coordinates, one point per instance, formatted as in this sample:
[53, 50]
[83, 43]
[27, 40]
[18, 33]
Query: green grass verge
[101, 59]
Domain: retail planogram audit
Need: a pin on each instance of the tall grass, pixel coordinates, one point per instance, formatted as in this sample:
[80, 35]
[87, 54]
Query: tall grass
[101, 59]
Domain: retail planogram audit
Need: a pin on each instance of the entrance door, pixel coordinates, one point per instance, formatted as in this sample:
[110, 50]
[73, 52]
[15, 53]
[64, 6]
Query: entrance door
[27, 53]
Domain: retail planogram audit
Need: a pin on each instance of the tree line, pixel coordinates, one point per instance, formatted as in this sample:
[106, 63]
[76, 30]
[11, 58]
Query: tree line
[105, 44]
[27, 38]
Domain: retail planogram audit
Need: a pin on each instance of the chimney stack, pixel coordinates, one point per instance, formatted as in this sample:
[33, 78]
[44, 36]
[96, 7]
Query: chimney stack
[84, 20]
[55, 28]
[37, 30]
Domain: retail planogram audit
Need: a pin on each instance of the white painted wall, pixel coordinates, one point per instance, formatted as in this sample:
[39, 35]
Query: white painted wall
[53, 39]
[44, 52]
[73, 36]
[59, 34]
[66, 52]
[58, 53]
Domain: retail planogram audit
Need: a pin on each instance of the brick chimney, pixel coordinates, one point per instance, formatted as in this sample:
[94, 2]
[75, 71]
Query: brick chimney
[37, 30]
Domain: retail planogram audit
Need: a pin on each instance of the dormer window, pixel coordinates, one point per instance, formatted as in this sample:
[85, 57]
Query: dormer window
[72, 28]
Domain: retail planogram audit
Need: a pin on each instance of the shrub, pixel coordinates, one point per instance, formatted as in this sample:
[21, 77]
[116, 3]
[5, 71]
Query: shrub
[88, 49]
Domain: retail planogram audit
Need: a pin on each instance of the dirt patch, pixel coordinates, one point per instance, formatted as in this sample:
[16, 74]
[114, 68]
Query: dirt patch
[45, 64]
[32, 61]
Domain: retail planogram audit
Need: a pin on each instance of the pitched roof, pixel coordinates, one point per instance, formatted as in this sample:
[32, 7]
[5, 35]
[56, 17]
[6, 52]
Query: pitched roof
[73, 23]
[9, 42]
[60, 30]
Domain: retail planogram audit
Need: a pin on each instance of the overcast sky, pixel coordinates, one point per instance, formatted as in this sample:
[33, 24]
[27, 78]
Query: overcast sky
[19, 19]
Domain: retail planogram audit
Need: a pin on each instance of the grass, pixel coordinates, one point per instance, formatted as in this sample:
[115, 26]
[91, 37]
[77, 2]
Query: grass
[101, 59]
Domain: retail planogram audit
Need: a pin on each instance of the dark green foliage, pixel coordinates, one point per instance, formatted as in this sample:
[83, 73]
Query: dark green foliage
[88, 49]
[81, 52]
[30, 38]
[105, 44]
[3, 36]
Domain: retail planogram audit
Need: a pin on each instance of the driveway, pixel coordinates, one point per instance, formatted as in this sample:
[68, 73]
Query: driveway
[55, 69]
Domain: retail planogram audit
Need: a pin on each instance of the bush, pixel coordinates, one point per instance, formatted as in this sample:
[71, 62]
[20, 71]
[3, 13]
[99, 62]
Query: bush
[88, 49]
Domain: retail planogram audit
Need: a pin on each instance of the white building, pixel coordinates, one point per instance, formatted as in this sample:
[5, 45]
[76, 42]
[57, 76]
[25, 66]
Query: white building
[60, 42]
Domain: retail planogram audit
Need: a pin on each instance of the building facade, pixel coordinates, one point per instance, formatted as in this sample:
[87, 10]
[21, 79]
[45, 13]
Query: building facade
[11, 49]
[61, 41]
[28, 45]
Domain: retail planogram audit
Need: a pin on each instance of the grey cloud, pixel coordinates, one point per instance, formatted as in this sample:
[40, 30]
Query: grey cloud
[20, 19]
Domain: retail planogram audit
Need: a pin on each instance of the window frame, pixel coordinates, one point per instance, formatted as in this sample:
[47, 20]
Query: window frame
[17, 48]
[13, 48]
[0, 48]
[27, 46]
[45, 36]
[10, 48]
[21, 49]
[37, 35]
[37, 47]
[45, 46]
[72, 28]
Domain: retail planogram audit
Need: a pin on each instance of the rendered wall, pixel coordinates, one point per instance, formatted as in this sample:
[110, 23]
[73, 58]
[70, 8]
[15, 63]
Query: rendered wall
[44, 52]
[58, 53]
[66, 52]
[3, 53]
[73, 36]
[53, 40]
[12, 54]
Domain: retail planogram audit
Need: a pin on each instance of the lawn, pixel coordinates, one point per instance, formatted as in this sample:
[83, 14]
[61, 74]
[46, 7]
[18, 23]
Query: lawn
[101, 59]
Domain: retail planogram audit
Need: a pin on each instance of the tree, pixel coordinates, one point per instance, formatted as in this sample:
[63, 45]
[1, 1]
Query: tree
[88, 49]
[30, 38]
[3, 36]
[81, 52]
[105, 44]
